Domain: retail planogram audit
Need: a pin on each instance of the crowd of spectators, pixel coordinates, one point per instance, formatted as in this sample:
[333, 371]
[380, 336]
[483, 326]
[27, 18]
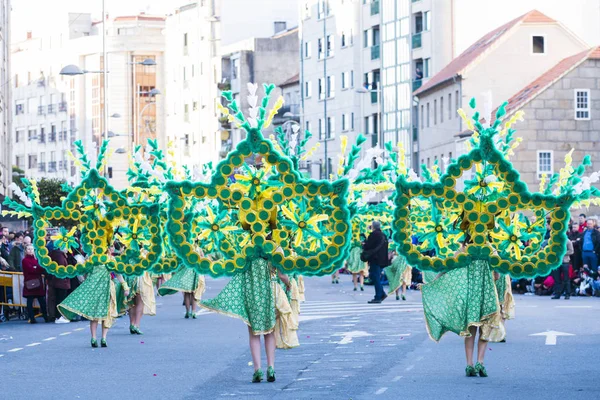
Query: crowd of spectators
[17, 255]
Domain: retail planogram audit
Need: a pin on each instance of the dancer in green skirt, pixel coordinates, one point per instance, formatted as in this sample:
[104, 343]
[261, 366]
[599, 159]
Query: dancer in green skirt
[465, 301]
[357, 267]
[255, 297]
[189, 282]
[96, 300]
[399, 274]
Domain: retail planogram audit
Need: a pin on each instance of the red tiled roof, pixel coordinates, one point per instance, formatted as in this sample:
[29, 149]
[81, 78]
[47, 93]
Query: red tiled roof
[292, 80]
[457, 65]
[548, 78]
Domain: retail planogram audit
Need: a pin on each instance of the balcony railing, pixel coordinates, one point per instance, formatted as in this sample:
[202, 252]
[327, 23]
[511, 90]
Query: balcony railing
[42, 167]
[41, 110]
[375, 52]
[375, 7]
[416, 40]
[417, 83]
[52, 108]
[52, 137]
[42, 138]
[62, 106]
[62, 135]
[52, 166]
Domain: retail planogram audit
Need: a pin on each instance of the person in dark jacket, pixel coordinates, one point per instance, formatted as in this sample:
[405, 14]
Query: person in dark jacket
[590, 245]
[58, 289]
[34, 284]
[376, 248]
[17, 253]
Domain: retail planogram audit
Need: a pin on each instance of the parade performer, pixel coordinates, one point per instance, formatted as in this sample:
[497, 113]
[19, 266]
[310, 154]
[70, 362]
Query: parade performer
[190, 283]
[357, 267]
[140, 301]
[268, 224]
[399, 275]
[95, 300]
[468, 235]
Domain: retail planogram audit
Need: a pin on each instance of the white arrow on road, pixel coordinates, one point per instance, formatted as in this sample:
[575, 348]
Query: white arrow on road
[551, 336]
[348, 336]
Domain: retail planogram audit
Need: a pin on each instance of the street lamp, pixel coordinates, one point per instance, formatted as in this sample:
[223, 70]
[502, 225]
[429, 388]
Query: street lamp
[73, 70]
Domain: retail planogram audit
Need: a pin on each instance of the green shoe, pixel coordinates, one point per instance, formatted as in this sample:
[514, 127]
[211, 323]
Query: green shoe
[103, 343]
[187, 315]
[258, 376]
[480, 369]
[193, 315]
[94, 343]
[132, 329]
[403, 297]
[470, 371]
[137, 331]
[270, 374]
[362, 288]
[397, 297]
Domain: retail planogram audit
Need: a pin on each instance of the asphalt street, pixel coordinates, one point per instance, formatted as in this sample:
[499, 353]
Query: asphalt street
[349, 350]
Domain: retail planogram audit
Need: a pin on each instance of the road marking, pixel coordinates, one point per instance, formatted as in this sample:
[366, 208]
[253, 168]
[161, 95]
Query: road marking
[348, 336]
[49, 339]
[573, 307]
[15, 349]
[381, 391]
[396, 379]
[1, 355]
[303, 379]
[399, 335]
[344, 325]
[78, 329]
[65, 333]
[409, 368]
[33, 344]
[551, 336]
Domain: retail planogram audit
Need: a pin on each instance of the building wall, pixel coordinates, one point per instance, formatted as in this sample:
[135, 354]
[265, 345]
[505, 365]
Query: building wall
[5, 100]
[550, 124]
[360, 109]
[509, 66]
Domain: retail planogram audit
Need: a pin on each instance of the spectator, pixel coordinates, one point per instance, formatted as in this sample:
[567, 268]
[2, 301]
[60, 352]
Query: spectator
[58, 289]
[17, 253]
[34, 284]
[375, 251]
[561, 275]
[585, 283]
[543, 286]
[581, 223]
[590, 245]
[596, 283]
[574, 236]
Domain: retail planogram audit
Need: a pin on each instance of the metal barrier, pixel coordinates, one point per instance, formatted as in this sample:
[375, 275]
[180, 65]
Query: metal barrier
[11, 295]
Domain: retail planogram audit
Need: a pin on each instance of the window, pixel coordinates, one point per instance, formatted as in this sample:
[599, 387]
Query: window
[344, 122]
[456, 101]
[427, 67]
[330, 45]
[538, 45]
[235, 68]
[195, 106]
[185, 39]
[343, 40]
[345, 80]
[428, 115]
[422, 116]
[321, 129]
[307, 89]
[307, 50]
[306, 9]
[323, 9]
[308, 127]
[427, 20]
[450, 156]
[435, 112]
[31, 134]
[32, 161]
[582, 104]
[186, 112]
[545, 163]
[330, 86]
[428, 162]
[442, 110]
[366, 38]
[320, 48]
[185, 74]
[19, 135]
[321, 89]
[110, 172]
[19, 161]
[20, 107]
[352, 121]
[279, 26]
[330, 127]
[449, 106]
[351, 79]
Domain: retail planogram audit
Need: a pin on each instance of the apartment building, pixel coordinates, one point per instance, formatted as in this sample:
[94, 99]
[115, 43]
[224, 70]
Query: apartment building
[493, 69]
[340, 75]
[5, 100]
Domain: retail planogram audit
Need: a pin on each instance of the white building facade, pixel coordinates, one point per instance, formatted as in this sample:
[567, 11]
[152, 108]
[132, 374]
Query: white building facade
[5, 100]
